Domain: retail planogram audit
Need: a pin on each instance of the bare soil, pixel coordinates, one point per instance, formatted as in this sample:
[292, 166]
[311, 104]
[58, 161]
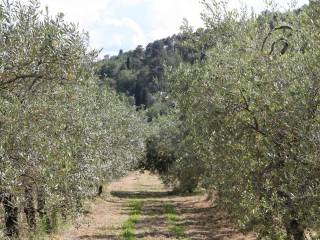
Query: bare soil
[197, 216]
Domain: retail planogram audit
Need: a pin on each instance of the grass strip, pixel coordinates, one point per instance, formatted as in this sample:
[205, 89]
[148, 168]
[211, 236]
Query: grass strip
[128, 227]
[172, 219]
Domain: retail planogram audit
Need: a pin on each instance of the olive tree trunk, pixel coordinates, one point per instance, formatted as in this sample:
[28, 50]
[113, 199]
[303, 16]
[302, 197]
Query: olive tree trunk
[41, 204]
[29, 208]
[100, 190]
[295, 231]
[11, 215]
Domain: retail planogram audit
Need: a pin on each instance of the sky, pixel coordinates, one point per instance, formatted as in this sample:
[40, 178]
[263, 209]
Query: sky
[124, 24]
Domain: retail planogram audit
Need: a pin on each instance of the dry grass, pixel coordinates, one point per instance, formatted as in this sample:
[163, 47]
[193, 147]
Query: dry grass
[199, 219]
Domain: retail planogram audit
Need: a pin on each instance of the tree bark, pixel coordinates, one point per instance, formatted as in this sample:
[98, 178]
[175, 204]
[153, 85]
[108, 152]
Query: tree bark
[41, 204]
[29, 208]
[11, 216]
[295, 231]
[100, 190]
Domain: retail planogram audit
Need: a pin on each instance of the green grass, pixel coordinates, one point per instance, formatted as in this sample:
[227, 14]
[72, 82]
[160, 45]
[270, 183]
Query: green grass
[128, 227]
[173, 219]
[44, 230]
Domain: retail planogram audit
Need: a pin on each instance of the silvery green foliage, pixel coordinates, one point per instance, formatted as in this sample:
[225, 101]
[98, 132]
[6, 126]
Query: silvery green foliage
[253, 112]
[59, 129]
[37, 49]
[168, 154]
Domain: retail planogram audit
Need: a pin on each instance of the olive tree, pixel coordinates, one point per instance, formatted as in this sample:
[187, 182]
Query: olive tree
[167, 154]
[253, 110]
[62, 133]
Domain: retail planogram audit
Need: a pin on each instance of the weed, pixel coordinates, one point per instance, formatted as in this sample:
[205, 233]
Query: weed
[128, 226]
[172, 219]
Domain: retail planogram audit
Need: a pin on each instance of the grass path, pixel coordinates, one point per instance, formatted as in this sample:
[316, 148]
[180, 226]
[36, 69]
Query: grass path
[128, 228]
[140, 207]
[173, 222]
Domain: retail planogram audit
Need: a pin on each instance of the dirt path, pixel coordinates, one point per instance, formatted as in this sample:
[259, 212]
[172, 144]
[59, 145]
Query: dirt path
[193, 215]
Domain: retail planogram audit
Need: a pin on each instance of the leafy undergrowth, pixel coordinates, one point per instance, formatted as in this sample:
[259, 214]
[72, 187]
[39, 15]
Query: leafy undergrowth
[45, 228]
[128, 228]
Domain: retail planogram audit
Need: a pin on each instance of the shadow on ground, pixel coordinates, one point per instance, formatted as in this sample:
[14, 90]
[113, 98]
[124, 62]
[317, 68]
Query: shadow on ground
[150, 194]
[200, 220]
[141, 194]
[95, 237]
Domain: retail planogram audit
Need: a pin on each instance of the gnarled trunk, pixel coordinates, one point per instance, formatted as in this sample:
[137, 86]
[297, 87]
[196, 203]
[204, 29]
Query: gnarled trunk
[295, 230]
[100, 190]
[11, 216]
[29, 208]
[41, 204]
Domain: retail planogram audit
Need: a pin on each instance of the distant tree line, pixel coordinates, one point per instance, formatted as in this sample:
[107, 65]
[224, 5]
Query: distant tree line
[141, 73]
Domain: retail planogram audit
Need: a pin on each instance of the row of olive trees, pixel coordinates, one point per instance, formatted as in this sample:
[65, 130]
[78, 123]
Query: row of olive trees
[251, 107]
[167, 153]
[61, 133]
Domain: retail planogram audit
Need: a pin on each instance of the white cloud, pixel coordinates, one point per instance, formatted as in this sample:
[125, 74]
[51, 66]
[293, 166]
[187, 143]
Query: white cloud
[117, 39]
[131, 2]
[115, 24]
[84, 12]
[168, 16]
[123, 31]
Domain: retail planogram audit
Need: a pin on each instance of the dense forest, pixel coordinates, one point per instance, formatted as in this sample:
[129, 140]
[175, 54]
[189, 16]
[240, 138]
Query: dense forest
[232, 108]
[140, 74]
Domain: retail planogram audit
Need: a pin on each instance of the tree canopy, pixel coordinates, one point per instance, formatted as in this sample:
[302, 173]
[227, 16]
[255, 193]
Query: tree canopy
[252, 108]
[62, 132]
